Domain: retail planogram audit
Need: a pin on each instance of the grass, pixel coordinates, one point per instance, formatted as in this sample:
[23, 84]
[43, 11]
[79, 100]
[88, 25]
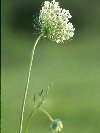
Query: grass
[73, 69]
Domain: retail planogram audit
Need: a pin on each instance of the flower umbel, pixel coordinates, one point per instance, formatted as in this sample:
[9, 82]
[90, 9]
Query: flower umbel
[56, 125]
[54, 22]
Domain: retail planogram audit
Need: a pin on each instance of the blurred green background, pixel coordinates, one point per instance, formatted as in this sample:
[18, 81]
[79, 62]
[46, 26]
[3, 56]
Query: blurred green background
[73, 68]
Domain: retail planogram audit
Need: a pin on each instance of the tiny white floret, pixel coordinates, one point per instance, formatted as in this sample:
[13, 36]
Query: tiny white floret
[54, 22]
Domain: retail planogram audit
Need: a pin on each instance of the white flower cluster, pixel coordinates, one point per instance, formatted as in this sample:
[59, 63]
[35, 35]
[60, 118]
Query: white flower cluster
[54, 22]
[56, 125]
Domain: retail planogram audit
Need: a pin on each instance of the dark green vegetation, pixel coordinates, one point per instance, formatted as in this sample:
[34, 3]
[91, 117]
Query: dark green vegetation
[73, 68]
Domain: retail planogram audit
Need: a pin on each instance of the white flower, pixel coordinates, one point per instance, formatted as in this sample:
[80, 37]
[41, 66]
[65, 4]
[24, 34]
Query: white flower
[56, 125]
[54, 22]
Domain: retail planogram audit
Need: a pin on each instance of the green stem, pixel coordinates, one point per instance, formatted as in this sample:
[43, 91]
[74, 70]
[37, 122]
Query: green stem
[27, 85]
[47, 114]
[30, 117]
[27, 123]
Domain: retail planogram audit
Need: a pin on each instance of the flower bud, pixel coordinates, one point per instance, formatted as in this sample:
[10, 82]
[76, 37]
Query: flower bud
[56, 125]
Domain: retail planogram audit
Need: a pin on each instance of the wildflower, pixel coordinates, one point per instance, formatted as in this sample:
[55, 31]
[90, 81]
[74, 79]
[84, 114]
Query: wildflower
[54, 22]
[56, 125]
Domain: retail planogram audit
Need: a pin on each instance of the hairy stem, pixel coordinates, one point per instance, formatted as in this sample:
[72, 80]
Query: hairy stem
[27, 85]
